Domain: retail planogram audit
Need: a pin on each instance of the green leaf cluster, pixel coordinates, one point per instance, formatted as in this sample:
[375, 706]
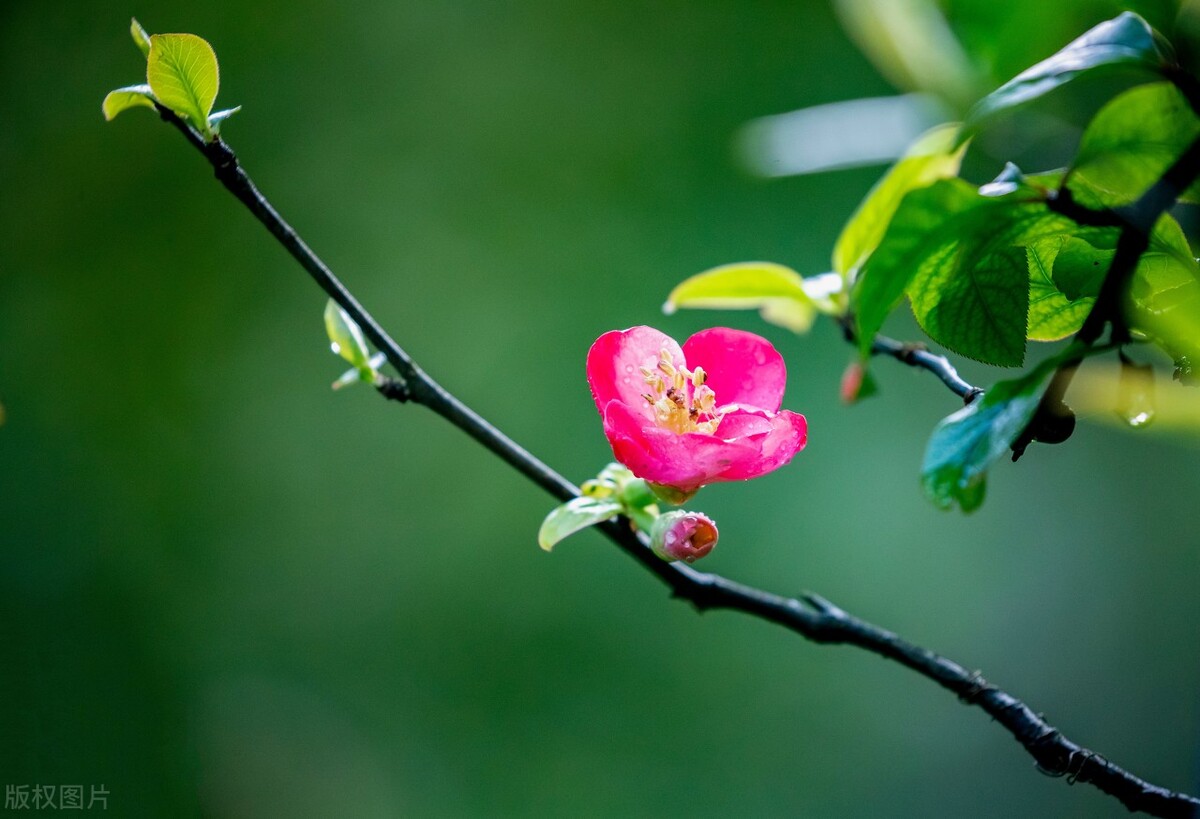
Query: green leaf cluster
[613, 492]
[182, 75]
[958, 252]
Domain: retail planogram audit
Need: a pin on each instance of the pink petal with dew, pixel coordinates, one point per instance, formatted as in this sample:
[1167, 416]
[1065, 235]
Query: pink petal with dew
[614, 362]
[776, 439]
[742, 368]
[686, 461]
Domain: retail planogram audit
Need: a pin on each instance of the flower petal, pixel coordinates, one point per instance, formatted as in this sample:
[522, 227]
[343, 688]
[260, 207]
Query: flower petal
[614, 362]
[742, 368]
[776, 438]
[686, 461]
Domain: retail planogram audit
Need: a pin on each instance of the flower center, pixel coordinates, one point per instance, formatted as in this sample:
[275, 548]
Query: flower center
[676, 407]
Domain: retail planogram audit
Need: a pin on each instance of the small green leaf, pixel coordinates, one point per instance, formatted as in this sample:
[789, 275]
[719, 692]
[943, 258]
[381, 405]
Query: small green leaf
[122, 99]
[140, 37]
[1125, 40]
[183, 74]
[776, 291]
[964, 444]
[930, 158]
[1164, 293]
[353, 376]
[575, 514]
[346, 339]
[215, 119]
[1130, 144]
[1065, 273]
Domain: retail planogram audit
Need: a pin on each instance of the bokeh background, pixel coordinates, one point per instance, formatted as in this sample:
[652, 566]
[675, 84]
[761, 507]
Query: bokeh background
[226, 590]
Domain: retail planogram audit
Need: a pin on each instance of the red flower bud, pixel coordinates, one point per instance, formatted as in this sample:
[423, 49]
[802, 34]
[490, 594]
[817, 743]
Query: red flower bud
[686, 536]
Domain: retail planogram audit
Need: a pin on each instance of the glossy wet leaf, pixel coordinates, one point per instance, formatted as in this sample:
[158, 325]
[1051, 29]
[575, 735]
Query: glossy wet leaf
[1124, 41]
[966, 443]
[574, 515]
[183, 74]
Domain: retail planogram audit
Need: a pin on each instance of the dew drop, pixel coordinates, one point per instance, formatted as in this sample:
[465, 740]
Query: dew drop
[628, 368]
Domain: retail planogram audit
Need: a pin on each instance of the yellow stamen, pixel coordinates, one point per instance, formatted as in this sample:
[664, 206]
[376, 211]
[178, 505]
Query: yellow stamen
[674, 408]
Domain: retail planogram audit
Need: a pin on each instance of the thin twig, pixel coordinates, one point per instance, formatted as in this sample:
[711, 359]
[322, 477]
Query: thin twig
[813, 617]
[915, 354]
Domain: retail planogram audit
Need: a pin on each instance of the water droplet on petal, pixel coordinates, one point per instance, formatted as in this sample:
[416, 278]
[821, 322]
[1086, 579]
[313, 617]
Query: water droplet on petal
[628, 368]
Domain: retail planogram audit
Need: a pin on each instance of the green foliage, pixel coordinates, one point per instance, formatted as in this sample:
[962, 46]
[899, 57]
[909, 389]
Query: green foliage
[1130, 143]
[615, 491]
[777, 292]
[954, 250]
[932, 157]
[1124, 41]
[1065, 273]
[183, 74]
[964, 444]
[122, 99]
[1164, 295]
[346, 339]
[574, 515]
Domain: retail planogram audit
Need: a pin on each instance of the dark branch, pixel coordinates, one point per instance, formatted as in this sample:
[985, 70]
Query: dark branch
[1053, 422]
[814, 618]
[915, 354]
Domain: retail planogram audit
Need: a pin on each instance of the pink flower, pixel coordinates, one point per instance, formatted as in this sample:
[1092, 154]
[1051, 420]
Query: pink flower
[686, 427]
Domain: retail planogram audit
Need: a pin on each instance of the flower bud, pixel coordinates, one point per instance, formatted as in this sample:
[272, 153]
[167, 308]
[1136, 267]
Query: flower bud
[686, 536]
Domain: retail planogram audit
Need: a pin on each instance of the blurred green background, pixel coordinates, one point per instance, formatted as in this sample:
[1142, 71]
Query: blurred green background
[229, 591]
